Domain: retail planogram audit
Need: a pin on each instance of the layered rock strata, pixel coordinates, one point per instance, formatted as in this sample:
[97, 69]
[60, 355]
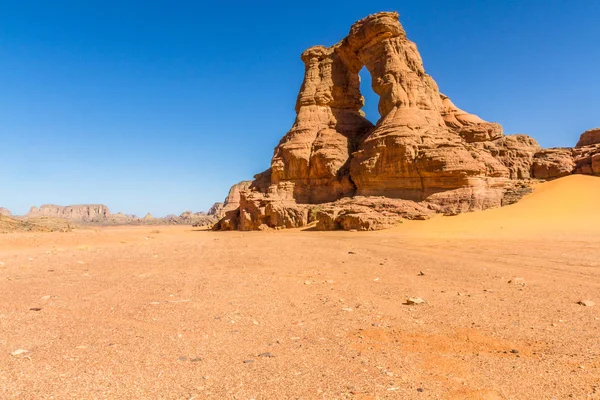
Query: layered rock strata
[78, 213]
[424, 150]
[98, 214]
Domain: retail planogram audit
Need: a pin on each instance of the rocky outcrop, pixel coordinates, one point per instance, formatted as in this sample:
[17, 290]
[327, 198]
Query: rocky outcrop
[424, 153]
[36, 224]
[232, 201]
[584, 158]
[589, 138]
[99, 214]
[553, 163]
[215, 209]
[515, 152]
[77, 213]
[5, 212]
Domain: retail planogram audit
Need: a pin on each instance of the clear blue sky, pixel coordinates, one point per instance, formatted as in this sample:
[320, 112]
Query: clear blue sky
[159, 106]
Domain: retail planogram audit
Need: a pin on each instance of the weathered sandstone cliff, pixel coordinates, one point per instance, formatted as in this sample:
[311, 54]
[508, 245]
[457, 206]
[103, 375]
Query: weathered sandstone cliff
[424, 153]
[77, 213]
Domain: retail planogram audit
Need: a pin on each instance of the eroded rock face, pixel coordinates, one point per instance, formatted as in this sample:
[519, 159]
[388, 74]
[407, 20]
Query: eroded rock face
[5, 212]
[424, 153]
[215, 209]
[589, 138]
[515, 152]
[232, 202]
[553, 163]
[81, 213]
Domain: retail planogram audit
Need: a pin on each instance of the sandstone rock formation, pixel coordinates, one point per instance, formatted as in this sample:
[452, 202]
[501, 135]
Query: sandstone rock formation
[425, 155]
[420, 150]
[584, 158]
[5, 212]
[79, 213]
[215, 209]
[99, 214]
[589, 138]
[36, 224]
[232, 201]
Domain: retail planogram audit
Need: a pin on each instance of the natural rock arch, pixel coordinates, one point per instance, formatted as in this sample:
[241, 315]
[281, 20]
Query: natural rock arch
[422, 149]
[333, 151]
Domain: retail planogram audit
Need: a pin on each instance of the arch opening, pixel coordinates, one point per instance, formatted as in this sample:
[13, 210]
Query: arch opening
[370, 108]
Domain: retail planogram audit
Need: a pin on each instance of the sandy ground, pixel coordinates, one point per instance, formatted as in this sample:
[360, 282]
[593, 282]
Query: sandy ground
[128, 313]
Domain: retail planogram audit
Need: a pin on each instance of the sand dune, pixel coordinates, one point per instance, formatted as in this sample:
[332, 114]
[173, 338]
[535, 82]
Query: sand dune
[555, 208]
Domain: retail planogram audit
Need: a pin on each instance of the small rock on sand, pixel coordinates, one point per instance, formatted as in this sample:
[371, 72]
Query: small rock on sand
[412, 301]
[586, 303]
[517, 281]
[19, 352]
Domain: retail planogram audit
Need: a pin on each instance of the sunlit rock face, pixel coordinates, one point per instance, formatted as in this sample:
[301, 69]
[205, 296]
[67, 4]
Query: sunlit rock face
[423, 149]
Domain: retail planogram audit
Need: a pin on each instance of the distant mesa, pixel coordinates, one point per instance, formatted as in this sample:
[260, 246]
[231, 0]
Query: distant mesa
[424, 156]
[76, 213]
[99, 214]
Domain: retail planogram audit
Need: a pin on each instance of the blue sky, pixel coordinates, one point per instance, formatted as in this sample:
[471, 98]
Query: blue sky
[159, 106]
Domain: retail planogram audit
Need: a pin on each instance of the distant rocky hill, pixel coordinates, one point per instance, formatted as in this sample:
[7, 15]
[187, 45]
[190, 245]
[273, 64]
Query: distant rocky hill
[35, 224]
[78, 213]
[99, 214]
[5, 212]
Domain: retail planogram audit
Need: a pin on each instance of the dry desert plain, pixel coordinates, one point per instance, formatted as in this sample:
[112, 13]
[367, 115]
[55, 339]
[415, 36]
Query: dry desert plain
[182, 313]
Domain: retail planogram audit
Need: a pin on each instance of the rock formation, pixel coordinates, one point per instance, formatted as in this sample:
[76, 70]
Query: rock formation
[215, 209]
[5, 212]
[584, 158]
[99, 214]
[589, 138]
[424, 153]
[232, 201]
[77, 213]
[36, 224]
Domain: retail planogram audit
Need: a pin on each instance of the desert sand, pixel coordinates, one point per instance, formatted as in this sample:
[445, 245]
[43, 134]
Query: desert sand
[183, 313]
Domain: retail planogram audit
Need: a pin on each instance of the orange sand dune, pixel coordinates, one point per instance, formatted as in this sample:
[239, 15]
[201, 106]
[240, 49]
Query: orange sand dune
[559, 207]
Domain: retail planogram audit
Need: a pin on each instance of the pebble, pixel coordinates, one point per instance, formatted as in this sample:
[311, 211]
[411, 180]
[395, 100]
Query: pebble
[248, 361]
[421, 273]
[518, 281]
[586, 303]
[411, 301]
[35, 309]
[182, 358]
[420, 390]
[351, 252]
[45, 297]
[307, 282]
[347, 309]
[266, 355]
[19, 352]
[514, 351]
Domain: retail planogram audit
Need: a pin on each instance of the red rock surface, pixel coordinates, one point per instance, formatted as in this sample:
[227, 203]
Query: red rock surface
[424, 149]
[589, 138]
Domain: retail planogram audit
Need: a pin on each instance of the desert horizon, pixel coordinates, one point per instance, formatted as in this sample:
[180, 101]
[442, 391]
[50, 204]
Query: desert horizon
[391, 246]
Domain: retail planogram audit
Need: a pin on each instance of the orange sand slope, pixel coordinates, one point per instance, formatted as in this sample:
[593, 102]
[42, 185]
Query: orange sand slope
[559, 207]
